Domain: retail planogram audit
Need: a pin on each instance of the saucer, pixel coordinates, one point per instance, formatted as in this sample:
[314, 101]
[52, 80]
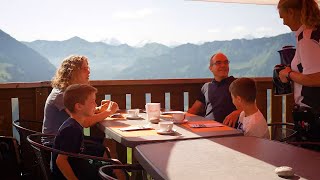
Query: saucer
[134, 117]
[180, 122]
[167, 132]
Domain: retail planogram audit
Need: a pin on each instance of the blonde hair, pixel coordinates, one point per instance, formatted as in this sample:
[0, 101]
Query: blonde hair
[309, 10]
[67, 71]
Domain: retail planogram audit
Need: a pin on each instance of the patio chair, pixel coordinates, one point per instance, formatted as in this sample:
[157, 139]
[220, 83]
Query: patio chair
[39, 144]
[282, 132]
[285, 132]
[124, 171]
[29, 163]
[10, 162]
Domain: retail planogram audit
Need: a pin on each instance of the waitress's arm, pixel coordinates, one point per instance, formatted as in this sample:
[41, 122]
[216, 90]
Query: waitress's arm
[310, 80]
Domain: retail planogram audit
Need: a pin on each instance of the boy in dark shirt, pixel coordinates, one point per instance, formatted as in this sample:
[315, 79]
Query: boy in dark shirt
[80, 101]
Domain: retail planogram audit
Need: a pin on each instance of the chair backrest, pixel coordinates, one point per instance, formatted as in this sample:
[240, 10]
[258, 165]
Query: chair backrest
[9, 158]
[25, 128]
[286, 132]
[39, 143]
[282, 132]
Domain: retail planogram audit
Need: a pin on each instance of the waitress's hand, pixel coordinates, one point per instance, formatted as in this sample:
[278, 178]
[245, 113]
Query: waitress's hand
[283, 74]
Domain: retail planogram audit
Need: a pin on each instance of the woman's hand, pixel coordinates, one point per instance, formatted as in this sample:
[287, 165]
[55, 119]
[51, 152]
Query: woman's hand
[283, 74]
[113, 107]
[104, 106]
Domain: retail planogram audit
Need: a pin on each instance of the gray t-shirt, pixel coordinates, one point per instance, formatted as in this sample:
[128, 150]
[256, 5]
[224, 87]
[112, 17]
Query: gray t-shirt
[54, 112]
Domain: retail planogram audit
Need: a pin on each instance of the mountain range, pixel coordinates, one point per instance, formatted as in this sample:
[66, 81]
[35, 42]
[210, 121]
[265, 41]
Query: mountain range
[252, 58]
[19, 62]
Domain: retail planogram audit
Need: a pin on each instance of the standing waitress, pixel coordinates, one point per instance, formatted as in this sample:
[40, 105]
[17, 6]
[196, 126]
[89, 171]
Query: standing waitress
[303, 17]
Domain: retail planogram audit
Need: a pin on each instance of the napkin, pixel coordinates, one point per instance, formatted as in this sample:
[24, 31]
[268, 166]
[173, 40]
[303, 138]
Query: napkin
[135, 128]
[207, 125]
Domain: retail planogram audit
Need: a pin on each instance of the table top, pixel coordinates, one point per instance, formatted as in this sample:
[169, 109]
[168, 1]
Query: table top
[238, 157]
[111, 128]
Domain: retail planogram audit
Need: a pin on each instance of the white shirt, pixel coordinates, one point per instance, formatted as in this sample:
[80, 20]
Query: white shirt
[254, 125]
[308, 54]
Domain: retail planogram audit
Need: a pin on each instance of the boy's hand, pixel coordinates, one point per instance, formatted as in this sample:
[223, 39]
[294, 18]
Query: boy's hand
[232, 118]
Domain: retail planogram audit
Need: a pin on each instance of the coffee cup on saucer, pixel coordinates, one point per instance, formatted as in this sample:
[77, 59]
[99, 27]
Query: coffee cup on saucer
[178, 117]
[165, 126]
[133, 113]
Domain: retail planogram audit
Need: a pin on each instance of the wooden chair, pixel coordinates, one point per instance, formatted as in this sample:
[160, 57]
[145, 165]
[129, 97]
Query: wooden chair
[39, 144]
[29, 163]
[10, 162]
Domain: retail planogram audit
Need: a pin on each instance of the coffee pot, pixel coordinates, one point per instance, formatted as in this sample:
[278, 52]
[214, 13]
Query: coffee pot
[286, 55]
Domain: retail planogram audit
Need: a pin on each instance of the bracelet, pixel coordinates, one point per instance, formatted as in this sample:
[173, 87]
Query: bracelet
[288, 75]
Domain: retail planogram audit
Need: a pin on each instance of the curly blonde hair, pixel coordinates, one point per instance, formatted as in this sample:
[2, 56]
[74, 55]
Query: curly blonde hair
[66, 73]
[309, 10]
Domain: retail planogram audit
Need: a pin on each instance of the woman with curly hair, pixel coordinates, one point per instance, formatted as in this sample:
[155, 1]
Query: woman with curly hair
[303, 17]
[73, 70]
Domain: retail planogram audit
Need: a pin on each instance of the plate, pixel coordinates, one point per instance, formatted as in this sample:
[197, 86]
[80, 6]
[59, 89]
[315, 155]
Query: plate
[134, 118]
[180, 122]
[167, 132]
[172, 112]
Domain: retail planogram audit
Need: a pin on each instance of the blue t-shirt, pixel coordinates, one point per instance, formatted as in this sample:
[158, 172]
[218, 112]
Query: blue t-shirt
[217, 99]
[69, 139]
[54, 112]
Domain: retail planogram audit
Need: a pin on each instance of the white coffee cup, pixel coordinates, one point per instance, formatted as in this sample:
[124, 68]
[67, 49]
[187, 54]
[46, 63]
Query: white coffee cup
[153, 112]
[133, 113]
[165, 126]
[178, 117]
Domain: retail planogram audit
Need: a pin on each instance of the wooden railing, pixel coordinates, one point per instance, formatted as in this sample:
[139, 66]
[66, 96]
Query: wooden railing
[178, 94]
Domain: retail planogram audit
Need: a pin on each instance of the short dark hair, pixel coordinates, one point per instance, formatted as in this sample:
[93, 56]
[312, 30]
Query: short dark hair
[77, 93]
[245, 88]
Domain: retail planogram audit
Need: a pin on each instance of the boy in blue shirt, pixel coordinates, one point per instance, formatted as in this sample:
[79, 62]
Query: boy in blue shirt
[80, 101]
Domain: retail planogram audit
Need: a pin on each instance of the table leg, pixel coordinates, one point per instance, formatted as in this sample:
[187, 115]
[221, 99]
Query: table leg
[121, 152]
[137, 175]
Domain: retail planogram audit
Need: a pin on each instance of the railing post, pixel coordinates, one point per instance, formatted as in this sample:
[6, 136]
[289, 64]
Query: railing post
[5, 117]
[41, 95]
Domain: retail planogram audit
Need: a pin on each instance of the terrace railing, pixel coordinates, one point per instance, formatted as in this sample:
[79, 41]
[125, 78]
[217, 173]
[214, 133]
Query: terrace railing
[27, 100]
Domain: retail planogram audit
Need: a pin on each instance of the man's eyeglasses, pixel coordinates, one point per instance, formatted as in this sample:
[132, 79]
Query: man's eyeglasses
[218, 63]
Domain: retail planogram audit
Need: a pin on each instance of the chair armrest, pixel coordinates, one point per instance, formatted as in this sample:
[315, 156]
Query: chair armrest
[124, 168]
[37, 145]
[280, 124]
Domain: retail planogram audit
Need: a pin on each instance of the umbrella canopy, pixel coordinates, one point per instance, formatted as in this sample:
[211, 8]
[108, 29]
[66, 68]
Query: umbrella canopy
[263, 2]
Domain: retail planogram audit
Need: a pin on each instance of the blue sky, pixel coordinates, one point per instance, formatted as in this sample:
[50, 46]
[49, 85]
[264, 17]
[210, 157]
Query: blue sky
[135, 21]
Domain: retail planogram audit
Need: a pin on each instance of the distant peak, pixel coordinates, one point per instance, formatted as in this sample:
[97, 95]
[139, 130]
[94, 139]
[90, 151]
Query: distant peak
[76, 38]
[111, 41]
[152, 44]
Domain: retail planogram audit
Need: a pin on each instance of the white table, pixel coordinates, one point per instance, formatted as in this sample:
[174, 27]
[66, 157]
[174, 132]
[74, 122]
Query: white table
[226, 158]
